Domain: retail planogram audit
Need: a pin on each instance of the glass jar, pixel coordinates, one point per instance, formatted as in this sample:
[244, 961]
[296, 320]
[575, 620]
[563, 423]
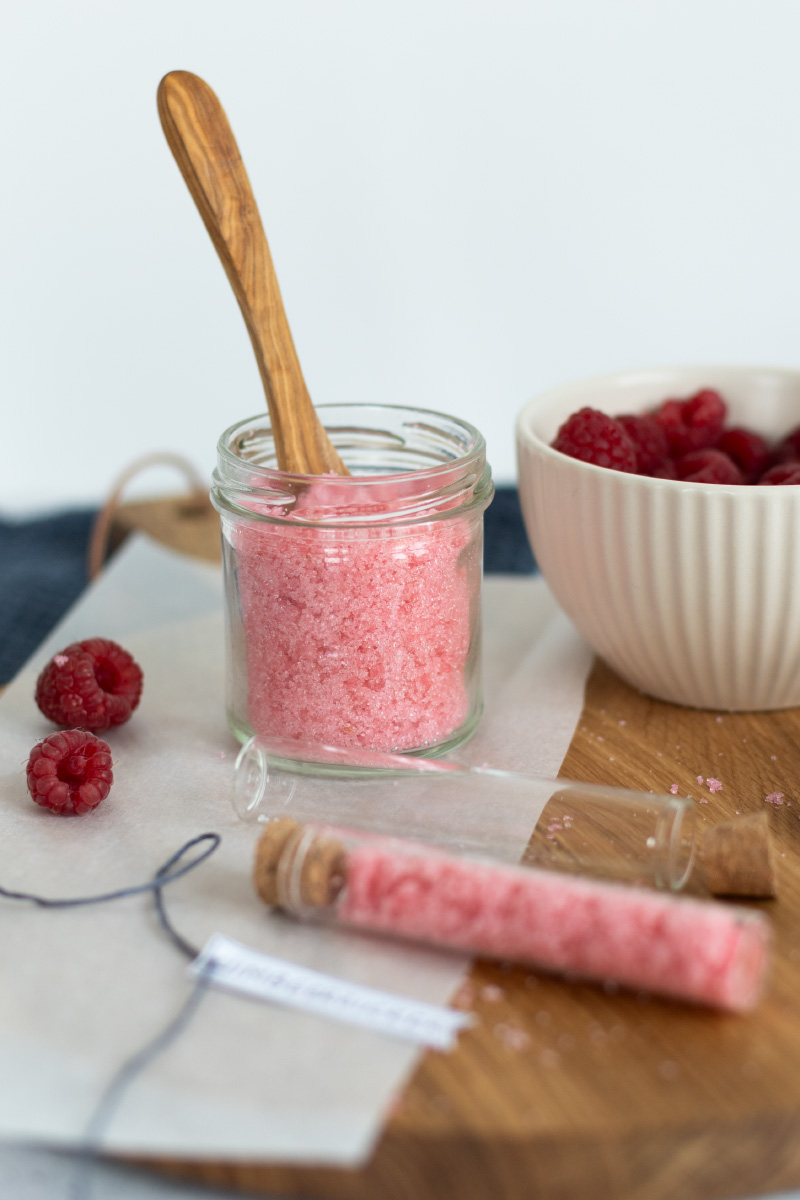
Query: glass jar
[353, 602]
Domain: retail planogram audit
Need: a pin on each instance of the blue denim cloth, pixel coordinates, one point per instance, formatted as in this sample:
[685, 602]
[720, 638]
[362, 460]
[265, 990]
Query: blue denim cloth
[42, 573]
[43, 570]
[505, 543]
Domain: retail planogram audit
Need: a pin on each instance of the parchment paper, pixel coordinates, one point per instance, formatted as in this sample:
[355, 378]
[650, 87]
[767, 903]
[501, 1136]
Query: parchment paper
[83, 989]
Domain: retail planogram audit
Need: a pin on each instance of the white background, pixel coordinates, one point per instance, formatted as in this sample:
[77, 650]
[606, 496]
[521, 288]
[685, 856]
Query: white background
[466, 203]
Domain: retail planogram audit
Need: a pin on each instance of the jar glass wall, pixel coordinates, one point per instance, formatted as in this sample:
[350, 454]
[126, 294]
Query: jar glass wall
[353, 603]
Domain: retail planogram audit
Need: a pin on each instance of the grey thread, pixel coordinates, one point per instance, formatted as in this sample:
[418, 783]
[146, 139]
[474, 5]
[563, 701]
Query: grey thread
[132, 1067]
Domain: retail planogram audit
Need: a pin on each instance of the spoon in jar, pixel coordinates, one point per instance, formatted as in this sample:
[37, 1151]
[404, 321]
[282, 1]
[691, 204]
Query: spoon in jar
[205, 150]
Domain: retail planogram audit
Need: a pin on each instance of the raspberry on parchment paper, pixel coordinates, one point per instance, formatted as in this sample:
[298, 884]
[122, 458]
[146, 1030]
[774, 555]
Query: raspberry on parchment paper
[69, 772]
[93, 684]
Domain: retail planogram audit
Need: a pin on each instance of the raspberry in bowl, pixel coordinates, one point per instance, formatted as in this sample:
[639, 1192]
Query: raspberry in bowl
[683, 574]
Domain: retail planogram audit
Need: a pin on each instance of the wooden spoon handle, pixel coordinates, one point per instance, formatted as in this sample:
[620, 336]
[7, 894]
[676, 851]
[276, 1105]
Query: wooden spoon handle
[205, 149]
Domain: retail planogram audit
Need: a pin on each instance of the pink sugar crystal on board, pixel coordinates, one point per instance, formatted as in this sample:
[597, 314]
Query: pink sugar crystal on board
[358, 637]
[702, 951]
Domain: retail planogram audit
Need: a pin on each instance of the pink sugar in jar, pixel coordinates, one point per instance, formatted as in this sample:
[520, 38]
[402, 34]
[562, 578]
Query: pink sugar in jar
[353, 602]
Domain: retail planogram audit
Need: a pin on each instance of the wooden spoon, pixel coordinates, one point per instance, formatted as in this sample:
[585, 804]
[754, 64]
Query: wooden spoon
[205, 149]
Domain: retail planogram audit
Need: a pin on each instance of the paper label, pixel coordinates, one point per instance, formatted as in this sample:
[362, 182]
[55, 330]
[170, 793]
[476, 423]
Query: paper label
[237, 968]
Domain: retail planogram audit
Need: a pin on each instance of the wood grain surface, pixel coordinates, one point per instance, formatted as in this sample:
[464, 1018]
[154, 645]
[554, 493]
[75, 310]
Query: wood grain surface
[202, 142]
[567, 1091]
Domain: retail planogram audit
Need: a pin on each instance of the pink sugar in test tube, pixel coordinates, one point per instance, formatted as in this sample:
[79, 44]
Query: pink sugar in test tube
[698, 950]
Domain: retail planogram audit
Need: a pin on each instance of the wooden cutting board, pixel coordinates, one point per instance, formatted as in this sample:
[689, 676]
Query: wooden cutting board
[567, 1091]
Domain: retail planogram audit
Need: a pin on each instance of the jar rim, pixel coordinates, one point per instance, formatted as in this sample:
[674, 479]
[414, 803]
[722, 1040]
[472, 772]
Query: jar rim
[463, 479]
[477, 447]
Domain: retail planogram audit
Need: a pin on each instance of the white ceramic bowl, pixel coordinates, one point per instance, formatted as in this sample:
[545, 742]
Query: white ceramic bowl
[690, 591]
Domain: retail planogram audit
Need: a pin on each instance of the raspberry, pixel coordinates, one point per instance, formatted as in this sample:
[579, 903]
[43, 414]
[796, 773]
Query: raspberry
[595, 438]
[789, 449]
[665, 470]
[708, 466]
[788, 472]
[693, 424]
[650, 440]
[747, 449]
[69, 772]
[91, 685]
[669, 416]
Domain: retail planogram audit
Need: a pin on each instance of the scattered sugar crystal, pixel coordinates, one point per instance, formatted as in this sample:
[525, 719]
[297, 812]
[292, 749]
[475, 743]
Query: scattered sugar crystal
[673, 787]
[465, 996]
[492, 993]
[775, 798]
[699, 778]
[714, 785]
[515, 1039]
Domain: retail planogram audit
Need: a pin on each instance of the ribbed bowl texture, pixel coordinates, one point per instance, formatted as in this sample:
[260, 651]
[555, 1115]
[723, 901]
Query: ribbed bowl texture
[690, 591]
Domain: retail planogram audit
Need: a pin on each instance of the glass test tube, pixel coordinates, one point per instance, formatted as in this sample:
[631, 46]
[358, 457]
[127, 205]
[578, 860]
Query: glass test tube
[577, 828]
[698, 950]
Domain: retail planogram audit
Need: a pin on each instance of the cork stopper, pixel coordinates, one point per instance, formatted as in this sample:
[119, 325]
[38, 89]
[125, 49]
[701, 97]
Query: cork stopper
[271, 846]
[737, 857]
[295, 868]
